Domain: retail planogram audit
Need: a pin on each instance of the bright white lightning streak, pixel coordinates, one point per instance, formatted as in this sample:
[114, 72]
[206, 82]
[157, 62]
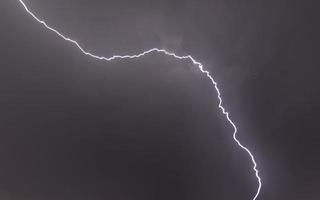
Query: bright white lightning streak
[168, 53]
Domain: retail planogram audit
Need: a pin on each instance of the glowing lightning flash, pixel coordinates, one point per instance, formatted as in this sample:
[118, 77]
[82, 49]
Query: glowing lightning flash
[168, 53]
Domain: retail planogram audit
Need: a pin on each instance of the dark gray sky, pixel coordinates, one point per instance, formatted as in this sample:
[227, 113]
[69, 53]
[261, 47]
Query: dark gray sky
[72, 127]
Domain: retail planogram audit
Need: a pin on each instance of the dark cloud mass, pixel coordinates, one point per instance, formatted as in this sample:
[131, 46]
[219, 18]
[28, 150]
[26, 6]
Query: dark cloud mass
[72, 127]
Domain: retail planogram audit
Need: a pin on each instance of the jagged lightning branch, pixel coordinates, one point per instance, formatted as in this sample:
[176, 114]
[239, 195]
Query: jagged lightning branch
[168, 53]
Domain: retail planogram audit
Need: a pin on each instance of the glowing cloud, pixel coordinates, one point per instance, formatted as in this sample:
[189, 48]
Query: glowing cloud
[168, 53]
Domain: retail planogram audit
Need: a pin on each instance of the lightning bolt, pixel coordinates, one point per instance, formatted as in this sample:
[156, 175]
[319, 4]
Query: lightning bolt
[171, 54]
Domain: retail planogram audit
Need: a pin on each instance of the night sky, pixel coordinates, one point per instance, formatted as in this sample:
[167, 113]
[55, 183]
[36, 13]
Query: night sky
[76, 128]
